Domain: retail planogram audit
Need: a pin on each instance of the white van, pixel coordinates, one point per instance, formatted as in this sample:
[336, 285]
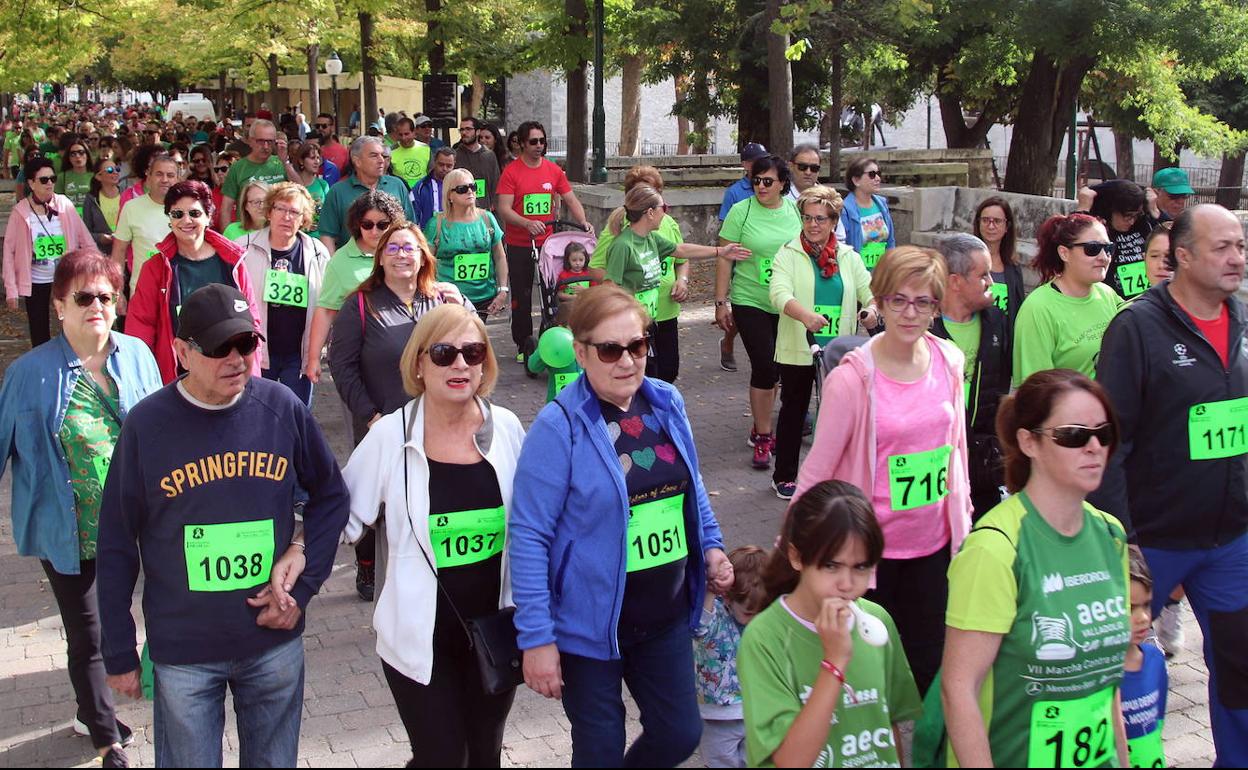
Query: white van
[191, 104]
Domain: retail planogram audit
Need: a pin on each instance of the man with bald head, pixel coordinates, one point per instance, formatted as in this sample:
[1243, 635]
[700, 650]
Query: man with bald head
[1175, 364]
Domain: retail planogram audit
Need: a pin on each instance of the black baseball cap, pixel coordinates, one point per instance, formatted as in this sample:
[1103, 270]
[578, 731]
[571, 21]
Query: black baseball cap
[753, 151]
[213, 314]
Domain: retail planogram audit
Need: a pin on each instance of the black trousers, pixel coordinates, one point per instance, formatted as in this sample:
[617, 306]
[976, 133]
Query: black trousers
[80, 614]
[520, 271]
[451, 722]
[665, 363]
[38, 308]
[915, 592]
[796, 385]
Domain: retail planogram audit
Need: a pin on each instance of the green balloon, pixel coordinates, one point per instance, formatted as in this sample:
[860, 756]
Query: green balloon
[555, 347]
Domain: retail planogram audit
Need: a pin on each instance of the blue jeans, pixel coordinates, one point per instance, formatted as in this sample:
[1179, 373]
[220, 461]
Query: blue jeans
[288, 370]
[1214, 580]
[189, 709]
[658, 669]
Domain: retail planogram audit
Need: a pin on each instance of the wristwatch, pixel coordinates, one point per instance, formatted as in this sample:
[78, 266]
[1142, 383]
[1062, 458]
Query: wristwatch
[722, 303]
[505, 289]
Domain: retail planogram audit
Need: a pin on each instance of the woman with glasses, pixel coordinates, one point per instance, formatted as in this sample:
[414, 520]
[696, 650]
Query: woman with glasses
[761, 223]
[868, 224]
[308, 162]
[74, 179]
[613, 545]
[1120, 205]
[193, 255]
[468, 243]
[442, 468]
[639, 258]
[893, 424]
[102, 206]
[818, 285]
[42, 227]
[1061, 323]
[221, 167]
[1020, 589]
[60, 442]
[252, 196]
[201, 165]
[288, 264]
[994, 225]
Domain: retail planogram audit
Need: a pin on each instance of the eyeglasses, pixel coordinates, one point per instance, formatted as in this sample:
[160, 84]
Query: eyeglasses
[286, 212]
[807, 167]
[245, 344]
[220, 169]
[72, 153]
[46, 179]
[1078, 436]
[444, 353]
[256, 204]
[535, 142]
[899, 302]
[765, 181]
[610, 352]
[366, 224]
[1132, 215]
[874, 174]
[1094, 248]
[818, 219]
[393, 249]
[179, 213]
[263, 141]
[322, 125]
[86, 298]
[991, 221]
[463, 188]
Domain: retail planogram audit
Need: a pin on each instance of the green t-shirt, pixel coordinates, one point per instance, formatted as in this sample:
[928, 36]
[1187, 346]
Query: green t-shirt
[235, 230]
[636, 264]
[669, 229]
[465, 252]
[75, 185]
[13, 146]
[763, 231]
[1060, 603]
[411, 164]
[244, 170]
[344, 273]
[318, 190]
[829, 294]
[778, 663]
[1057, 331]
[88, 435]
[966, 336]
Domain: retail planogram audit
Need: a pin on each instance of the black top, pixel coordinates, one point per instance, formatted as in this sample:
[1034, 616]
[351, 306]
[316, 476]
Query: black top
[286, 322]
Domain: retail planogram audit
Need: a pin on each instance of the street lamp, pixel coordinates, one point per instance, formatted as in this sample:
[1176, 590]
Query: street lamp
[598, 174]
[333, 68]
[233, 107]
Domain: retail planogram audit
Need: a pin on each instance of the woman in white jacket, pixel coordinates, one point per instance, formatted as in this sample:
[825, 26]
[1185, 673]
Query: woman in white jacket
[445, 501]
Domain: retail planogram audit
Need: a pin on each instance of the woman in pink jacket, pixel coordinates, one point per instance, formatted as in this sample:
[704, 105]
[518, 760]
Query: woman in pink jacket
[893, 423]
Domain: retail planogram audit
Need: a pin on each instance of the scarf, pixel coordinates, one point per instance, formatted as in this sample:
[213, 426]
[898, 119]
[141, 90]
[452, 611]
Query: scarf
[825, 258]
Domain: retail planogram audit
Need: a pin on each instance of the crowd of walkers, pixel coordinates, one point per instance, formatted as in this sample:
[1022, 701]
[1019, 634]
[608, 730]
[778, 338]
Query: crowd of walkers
[1006, 486]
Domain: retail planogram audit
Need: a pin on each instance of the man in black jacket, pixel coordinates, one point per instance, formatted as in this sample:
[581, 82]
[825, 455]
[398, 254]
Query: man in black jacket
[970, 318]
[1175, 366]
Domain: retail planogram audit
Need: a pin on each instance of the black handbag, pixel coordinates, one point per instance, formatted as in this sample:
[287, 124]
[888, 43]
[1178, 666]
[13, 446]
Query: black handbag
[492, 637]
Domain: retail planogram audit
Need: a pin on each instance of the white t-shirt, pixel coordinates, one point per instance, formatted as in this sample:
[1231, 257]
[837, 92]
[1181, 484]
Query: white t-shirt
[143, 223]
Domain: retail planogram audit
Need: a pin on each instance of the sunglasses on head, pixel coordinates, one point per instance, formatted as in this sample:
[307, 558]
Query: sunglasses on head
[444, 353]
[179, 213]
[86, 298]
[369, 225]
[1078, 436]
[539, 140]
[765, 181]
[463, 188]
[245, 344]
[807, 167]
[610, 352]
[1094, 248]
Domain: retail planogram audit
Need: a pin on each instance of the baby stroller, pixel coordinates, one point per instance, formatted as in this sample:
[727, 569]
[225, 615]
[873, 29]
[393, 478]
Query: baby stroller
[828, 357]
[549, 260]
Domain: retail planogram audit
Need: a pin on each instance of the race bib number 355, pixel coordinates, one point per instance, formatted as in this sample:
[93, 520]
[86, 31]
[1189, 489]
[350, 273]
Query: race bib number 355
[49, 247]
[1072, 733]
[228, 557]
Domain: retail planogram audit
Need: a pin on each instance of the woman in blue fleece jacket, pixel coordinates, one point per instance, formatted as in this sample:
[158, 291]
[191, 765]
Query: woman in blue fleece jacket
[612, 544]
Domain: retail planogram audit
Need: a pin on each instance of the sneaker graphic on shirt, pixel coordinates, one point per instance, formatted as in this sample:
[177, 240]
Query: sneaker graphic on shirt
[1054, 637]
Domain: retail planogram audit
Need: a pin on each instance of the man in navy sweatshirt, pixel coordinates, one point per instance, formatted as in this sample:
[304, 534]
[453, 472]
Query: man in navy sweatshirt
[201, 497]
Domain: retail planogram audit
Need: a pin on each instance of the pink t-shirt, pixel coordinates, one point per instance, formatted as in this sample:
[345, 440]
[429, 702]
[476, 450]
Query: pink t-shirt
[914, 424]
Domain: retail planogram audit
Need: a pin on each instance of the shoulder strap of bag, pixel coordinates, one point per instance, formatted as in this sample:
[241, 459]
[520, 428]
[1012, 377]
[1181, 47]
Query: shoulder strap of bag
[437, 233]
[359, 296]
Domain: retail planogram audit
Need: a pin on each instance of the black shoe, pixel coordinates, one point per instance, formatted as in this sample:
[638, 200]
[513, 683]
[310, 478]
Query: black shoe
[115, 758]
[364, 580]
[127, 735]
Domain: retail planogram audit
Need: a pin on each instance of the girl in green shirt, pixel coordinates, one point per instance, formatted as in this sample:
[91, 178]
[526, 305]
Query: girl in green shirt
[253, 195]
[74, 181]
[308, 161]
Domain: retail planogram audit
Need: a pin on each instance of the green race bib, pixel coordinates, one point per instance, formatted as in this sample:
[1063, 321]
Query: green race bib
[228, 557]
[100, 464]
[833, 314]
[649, 299]
[282, 287]
[764, 270]
[563, 380]
[471, 267]
[1001, 297]
[1147, 751]
[656, 533]
[918, 479]
[536, 204]
[49, 247]
[871, 253]
[467, 537]
[480, 187]
[1216, 430]
[1072, 733]
[1133, 279]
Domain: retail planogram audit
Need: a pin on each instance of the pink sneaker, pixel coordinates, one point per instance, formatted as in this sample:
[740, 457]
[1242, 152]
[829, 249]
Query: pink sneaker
[763, 444]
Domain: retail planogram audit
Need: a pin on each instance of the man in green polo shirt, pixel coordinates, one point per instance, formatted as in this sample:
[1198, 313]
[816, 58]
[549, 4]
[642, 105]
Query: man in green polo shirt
[267, 162]
[368, 158]
[410, 160]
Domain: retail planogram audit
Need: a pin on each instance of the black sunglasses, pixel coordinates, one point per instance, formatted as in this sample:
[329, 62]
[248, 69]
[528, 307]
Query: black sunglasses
[367, 225]
[463, 188]
[46, 179]
[765, 181]
[444, 353]
[1078, 436]
[1094, 248]
[874, 174]
[111, 169]
[536, 142]
[610, 352]
[85, 298]
[807, 166]
[221, 169]
[245, 344]
[179, 213]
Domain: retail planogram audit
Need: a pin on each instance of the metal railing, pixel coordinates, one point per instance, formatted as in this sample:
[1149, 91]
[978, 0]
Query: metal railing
[647, 147]
[1204, 179]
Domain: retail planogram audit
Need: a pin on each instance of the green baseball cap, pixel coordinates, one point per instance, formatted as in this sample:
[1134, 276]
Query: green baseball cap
[1173, 181]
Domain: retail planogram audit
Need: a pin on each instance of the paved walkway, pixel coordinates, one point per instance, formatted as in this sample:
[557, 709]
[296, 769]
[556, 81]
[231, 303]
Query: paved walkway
[349, 718]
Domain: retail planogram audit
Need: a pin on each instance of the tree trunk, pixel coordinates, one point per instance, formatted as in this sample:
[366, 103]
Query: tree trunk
[1231, 181]
[779, 85]
[274, 91]
[578, 95]
[953, 121]
[701, 143]
[630, 107]
[1160, 161]
[681, 83]
[368, 71]
[313, 107]
[478, 95]
[1048, 100]
[1124, 154]
[437, 48]
[838, 104]
[221, 96]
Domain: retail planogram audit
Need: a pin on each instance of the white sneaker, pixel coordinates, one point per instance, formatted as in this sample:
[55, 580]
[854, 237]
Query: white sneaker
[80, 728]
[1169, 626]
